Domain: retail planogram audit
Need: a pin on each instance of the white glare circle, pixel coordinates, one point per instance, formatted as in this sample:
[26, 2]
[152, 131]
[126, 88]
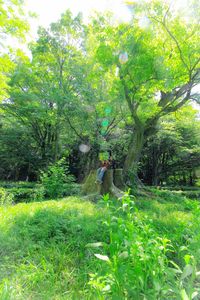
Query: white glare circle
[84, 148]
[123, 57]
[144, 22]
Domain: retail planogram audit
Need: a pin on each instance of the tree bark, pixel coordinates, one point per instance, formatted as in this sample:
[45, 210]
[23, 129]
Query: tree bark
[118, 179]
[134, 152]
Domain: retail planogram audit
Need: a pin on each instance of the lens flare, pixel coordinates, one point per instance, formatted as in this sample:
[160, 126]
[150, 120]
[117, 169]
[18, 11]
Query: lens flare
[105, 123]
[84, 148]
[108, 110]
[144, 22]
[123, 57]
[103, 132]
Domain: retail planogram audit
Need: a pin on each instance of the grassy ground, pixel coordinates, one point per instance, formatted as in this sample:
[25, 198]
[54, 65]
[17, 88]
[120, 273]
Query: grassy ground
[75, 249]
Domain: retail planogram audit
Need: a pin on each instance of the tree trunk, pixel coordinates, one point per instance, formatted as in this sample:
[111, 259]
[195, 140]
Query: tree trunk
[191, 181]
[155, 177]
[118, 179]
[134, 152]
[17, 174]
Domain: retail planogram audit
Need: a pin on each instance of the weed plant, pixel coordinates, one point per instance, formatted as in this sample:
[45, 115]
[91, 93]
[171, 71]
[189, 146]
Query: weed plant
[141, 262]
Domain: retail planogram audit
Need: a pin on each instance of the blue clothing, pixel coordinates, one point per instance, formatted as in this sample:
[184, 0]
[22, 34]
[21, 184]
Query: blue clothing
[100, 174]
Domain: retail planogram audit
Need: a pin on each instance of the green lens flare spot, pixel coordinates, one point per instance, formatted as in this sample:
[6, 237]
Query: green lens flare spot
[103, 132]
[108, 110]
[105, 123]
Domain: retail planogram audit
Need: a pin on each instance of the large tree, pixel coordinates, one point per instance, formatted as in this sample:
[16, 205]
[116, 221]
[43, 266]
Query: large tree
[46, 89]
[157, 56]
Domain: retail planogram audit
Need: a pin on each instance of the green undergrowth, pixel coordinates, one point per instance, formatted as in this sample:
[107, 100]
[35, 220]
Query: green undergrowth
[189, 192]
[75, 249]
[30, 191]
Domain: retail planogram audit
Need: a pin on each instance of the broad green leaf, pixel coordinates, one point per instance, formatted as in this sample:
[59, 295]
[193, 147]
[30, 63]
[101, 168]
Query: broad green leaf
[94, 245]
[184, 295]
[102, 257]
[187, 271]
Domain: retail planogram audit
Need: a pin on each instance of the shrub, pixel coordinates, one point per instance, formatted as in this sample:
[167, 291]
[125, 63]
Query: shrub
[6, 198]
[71, 189]
[55, 178]
[18, 184]
[21, 194]
[38, 194]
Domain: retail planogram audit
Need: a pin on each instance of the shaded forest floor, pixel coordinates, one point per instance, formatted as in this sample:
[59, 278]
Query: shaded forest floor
[137, 248]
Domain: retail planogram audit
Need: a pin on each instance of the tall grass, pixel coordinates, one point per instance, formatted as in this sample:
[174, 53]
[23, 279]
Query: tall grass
[150, 256]
[75, 249]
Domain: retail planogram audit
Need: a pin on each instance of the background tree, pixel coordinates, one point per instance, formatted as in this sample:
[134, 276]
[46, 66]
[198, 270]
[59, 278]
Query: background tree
[12, 24]
[173, 153]
[45, 90]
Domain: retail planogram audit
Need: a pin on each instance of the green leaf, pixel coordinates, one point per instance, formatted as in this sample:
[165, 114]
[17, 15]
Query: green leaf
[187, 271]
[94, 245]
[187, 258]
[102, 257]
[123, 254]
[184, 295]
[195, 294]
